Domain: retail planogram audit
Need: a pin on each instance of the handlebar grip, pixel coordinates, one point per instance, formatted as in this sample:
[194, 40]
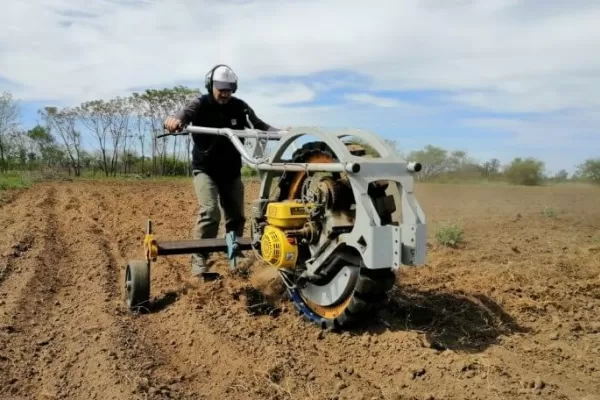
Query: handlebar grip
[179, 129]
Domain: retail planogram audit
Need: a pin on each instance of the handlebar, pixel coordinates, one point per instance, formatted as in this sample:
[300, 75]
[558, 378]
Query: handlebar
[233, 135]
[247, 132]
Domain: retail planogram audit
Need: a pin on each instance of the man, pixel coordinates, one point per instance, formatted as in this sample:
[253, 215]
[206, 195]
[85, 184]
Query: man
[216, 163]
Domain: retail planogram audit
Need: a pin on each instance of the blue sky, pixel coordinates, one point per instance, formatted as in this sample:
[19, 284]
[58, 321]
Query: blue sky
[497, 78]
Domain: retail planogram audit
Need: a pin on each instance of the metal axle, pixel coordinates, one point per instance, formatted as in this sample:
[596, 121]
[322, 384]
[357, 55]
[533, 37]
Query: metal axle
[177, 247]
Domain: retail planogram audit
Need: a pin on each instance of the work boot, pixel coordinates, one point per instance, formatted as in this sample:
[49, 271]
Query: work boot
[200, 269]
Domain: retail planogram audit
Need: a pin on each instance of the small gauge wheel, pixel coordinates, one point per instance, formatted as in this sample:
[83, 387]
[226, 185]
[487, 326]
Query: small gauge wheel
[137, 285]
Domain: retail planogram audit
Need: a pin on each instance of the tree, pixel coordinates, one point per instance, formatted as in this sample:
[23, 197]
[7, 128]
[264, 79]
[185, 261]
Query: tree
[156, 105]
[139, 124]
[589, 170]
[9, 121]
[491, 167]
[434, 160]
[63, 121]
[527, 171]
[107, 120]
[461, 165]
[561, 176]
[43, 143]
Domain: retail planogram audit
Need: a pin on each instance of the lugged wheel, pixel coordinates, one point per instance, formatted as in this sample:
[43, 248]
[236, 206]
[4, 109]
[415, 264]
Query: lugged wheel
[355, 307]
[362, 290]
[137, 285]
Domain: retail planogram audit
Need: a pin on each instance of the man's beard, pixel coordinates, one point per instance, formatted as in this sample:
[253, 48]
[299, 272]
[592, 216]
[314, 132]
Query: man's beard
[223, 99]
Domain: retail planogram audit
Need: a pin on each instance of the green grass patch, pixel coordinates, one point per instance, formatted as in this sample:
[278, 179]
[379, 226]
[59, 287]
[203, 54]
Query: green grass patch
[13, 181]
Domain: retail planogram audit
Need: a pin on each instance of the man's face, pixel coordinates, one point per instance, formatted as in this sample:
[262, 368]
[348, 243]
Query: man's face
[222, 96]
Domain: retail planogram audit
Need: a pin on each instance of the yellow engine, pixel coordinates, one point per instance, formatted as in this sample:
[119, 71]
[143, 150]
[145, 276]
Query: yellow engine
[288, 214]
[277, 248]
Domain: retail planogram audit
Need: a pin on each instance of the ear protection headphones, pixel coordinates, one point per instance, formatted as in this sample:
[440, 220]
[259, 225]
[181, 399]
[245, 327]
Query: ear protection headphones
[208, 79]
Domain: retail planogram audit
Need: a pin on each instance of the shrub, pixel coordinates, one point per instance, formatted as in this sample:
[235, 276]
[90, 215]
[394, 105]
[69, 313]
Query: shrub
[590, 170]
[450, 235]
[549, 212]
[527, 171]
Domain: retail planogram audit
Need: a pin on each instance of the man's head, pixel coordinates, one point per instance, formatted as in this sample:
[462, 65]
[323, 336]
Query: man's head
[222, 83]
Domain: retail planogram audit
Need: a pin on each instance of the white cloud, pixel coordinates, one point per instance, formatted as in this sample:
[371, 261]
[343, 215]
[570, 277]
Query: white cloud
[498, 55]
[395, 105]
[417, 44]
[378, 101]
[283, 93]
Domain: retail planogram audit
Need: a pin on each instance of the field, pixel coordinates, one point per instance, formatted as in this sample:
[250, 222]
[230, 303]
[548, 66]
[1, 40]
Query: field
[511, 313]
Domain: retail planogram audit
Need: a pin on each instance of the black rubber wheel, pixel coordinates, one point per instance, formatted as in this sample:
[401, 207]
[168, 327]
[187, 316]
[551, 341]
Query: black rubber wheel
[359, 307]
[137, 285]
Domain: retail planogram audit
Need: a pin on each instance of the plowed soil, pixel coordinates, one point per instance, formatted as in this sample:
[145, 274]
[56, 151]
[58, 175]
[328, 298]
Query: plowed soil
[512, 313]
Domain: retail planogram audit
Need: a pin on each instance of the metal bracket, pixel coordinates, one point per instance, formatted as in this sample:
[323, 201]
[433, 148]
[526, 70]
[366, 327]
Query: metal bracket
[232, 248]
[150, 244]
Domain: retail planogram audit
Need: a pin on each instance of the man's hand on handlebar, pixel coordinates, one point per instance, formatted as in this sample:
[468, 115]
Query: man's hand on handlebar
[173, 124]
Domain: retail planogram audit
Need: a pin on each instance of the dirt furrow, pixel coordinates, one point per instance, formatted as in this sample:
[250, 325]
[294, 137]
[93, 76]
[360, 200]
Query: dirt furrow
[32, 350]
[71, 354]
[231, 353]
[88, 360]
[151, 371]
[509, 313]
[196, 358]
[285, 356]
[10, 257]
[18, 224]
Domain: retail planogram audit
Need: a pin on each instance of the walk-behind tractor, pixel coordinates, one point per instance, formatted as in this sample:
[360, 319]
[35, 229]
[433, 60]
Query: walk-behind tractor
[335, 220]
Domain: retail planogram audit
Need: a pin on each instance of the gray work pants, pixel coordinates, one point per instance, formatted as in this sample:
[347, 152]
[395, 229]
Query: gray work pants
[230, 196]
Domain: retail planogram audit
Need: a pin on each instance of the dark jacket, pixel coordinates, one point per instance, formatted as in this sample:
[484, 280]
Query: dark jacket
[216, 155]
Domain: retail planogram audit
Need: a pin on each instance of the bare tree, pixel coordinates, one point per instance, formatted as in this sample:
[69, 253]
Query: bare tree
[9, 121]
[119, 110]
[107, 120]
[95, 116]
[156, 106]
[491, 167]
[64, 121]
[139, 124]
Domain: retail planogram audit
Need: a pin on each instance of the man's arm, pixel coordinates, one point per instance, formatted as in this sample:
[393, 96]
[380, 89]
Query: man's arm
[184, 116]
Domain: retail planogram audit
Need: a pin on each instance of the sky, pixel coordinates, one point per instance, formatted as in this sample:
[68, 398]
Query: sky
[495, 78]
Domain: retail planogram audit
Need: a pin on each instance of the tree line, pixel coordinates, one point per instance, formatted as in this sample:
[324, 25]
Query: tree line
[440, 164]
[119, 137]
[120, 133]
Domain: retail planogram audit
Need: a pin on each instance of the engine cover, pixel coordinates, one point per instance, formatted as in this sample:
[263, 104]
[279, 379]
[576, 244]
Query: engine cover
[287, 214]
[277, 249]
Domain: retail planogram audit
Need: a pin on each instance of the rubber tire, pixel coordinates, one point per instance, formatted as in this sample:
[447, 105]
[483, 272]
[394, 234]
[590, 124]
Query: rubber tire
[369, 293]
[138, 295]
